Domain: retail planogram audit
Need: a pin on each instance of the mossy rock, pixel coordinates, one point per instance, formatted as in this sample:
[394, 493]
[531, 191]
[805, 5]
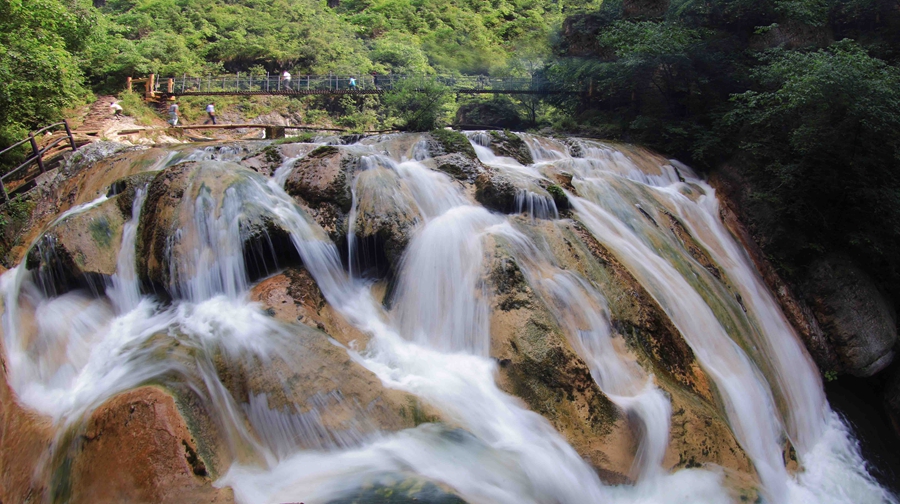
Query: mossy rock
[126, 188]
[459, 166]
[80, 250]
[452, 141]
[508, 144]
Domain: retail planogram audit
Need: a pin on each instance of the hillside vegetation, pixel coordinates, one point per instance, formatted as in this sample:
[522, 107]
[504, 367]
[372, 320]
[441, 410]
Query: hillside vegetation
[799, 99]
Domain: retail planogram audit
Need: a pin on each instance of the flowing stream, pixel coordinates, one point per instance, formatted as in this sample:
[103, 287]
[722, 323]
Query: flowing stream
[69, 353]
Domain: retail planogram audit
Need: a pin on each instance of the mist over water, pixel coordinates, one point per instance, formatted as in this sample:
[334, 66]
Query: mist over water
[69, 353]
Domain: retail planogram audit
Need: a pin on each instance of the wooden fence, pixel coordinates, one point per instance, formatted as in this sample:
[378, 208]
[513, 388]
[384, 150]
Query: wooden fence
[37, 154]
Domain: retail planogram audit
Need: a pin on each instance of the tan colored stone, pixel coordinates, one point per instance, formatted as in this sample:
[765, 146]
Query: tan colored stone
[137, 448]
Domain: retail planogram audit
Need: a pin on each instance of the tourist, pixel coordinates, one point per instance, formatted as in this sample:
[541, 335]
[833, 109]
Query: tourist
[286, 79]
[116, 110]
[375, 79]
[353, 83]
[173, 113]
[211, 112]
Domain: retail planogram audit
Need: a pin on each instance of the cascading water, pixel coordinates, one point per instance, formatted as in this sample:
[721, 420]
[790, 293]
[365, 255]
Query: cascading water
[68, 353]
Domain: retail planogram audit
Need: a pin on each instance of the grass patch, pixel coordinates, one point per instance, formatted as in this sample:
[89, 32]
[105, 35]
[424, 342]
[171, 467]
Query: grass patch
[133, 105]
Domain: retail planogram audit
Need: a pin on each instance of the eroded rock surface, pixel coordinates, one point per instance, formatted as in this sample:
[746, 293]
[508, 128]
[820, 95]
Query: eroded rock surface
[857, 319]
[138, 448]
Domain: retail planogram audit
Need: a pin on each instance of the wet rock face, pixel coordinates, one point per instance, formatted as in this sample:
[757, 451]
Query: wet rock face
[443, 141]
[386, 213]
[459, 166]
[126, 189]
[137, 448]
[24, 438]
[80, 250]
[857, 319]
[508, 144]
[538, 365]
[322, 177]
[496, 191]
[322, 181]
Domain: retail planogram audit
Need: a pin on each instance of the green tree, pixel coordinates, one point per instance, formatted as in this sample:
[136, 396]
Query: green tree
[39, 66]
[419, 104]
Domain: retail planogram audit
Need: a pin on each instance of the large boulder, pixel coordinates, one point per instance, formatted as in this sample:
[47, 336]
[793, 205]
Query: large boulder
[137, 447]
[448, 141]
[323, 176]
[271, 157]
[322, 180]
[459, 166]
[169, 228]
[494, 113]
[79, 250]
[858, 320]
[508, 144]
[496, 190]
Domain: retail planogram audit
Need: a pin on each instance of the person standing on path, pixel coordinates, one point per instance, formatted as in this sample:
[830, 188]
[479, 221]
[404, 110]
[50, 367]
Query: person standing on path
[116, 110]
[286, 79]
[211, 112]
[173, 113]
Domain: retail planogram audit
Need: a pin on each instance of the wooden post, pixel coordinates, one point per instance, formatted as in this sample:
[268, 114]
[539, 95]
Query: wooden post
[5, 194]
[128, 84]
[274, 132]
[37, 152]
[183, 79]
[170, 86]
[149, 86]
[69, 132]
[267, 82]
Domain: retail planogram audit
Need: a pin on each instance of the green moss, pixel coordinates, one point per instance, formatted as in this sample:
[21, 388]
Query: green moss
[101, 232]
[324, 151]
[454, 141]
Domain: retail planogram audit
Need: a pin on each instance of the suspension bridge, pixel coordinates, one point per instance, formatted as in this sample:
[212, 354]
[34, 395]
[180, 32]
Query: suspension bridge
[245, 84]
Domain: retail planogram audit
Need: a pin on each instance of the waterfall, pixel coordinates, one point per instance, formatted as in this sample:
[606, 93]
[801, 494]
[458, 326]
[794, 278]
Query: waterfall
[68, 353]
[126, 292]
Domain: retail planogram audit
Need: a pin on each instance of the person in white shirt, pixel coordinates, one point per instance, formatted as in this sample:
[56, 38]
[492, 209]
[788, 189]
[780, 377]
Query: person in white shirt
[116, 110]
[286, 79]
[211, 112]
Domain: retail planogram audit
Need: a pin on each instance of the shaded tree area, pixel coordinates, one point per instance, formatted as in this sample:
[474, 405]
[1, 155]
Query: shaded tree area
[41, 42]
[800, 98]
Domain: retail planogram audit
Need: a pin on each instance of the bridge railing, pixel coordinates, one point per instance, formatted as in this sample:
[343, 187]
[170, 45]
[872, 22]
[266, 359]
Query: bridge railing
[273, 83]
[37, 155]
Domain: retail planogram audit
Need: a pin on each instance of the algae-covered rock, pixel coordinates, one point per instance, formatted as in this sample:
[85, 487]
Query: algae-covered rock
[450, 142]
[496, 190]
[459, 166]
[508, 144]
[538, 364]
[322, 177]
[80, 249]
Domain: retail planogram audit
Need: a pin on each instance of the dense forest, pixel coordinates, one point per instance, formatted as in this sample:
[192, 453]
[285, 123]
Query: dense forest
[797, 99]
